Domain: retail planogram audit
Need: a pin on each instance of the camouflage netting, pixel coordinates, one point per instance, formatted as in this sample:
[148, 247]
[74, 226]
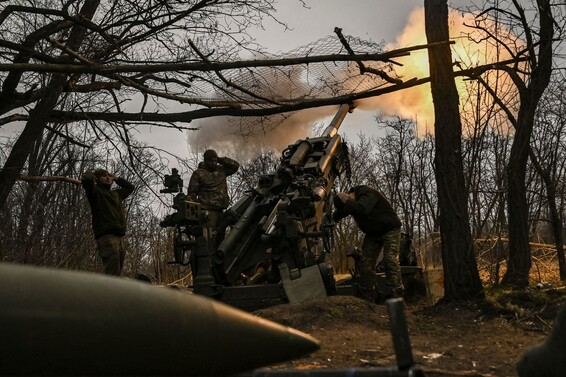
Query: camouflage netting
[264, 86]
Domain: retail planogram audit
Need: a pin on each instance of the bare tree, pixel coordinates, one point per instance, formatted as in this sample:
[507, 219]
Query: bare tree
[98, 32]
[486, 154]
[526, 35]
[548, 159]
[518, 269]
[49, 94]
[406, 173]
[461, 277]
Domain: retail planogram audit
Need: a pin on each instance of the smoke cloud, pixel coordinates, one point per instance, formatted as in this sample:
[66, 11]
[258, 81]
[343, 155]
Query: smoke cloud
[247, 138]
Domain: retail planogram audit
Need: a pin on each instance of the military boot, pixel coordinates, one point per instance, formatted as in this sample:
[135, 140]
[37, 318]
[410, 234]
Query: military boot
[367, 294]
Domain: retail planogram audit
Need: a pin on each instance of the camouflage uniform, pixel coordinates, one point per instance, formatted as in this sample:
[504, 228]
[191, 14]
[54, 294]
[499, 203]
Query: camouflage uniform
[208, 186]
[111, 250]
[375, 216]
[108, 220]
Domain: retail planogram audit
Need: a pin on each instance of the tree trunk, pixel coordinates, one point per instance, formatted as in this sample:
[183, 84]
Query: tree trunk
[554, 214]
[461, 277]
[31, 133]
[556, 222]
[518, 268]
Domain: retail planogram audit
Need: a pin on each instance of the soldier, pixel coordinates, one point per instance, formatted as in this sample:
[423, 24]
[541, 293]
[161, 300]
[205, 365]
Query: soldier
[375, 216]
[108, 216]
[208, 186]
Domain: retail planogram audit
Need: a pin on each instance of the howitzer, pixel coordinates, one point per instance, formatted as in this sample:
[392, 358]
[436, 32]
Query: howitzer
[279, 233]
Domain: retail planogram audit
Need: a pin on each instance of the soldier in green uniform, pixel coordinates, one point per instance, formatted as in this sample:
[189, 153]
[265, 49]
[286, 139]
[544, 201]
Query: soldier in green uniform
[375, 216]
[208, 186]
[108, 216]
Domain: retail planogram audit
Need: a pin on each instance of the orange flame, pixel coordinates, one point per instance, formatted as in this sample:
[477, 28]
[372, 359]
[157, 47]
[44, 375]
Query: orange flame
[416, 103]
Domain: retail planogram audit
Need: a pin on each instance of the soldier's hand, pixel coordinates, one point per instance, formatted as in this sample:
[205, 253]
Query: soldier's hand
[343, 197]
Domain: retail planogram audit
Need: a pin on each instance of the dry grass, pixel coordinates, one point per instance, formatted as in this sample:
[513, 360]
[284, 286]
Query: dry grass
[492, 261]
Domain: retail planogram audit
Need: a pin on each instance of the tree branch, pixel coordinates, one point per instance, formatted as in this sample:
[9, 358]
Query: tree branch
[362, 66]
[188, 116]
[209, 66]
[35, 178]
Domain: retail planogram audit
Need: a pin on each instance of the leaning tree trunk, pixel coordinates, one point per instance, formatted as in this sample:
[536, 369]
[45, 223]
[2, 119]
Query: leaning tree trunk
[31, 133]
[518, 268]
[461, 277]
[37, 119]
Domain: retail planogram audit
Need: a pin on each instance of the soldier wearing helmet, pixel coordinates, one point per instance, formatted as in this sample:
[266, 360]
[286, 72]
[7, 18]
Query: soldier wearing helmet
[208, 186]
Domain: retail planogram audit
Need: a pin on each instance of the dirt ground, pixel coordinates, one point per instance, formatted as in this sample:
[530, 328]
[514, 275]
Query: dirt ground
[466, 339]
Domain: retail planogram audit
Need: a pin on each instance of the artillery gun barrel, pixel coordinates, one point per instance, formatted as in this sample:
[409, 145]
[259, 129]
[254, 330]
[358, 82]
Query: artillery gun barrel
[332, 128]
[68, 323]
[304, 147]
[241, 226]
[300, 154]
[326, 160]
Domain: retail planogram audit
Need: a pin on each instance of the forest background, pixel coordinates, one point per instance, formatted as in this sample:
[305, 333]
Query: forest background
[70, 69]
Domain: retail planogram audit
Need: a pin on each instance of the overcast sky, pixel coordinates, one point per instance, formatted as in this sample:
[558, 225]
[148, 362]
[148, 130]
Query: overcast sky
[375, 20]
